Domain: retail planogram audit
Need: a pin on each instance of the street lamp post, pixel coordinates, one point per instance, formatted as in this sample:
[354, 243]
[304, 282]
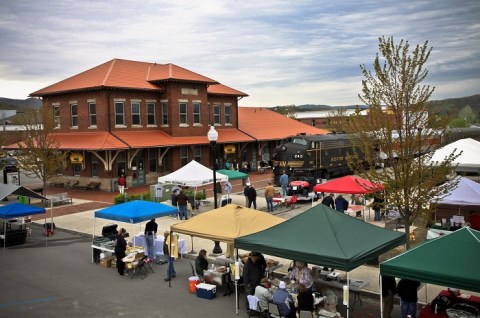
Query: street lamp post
[212, 137]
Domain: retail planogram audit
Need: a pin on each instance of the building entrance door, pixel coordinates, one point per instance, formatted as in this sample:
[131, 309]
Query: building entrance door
[138, 172]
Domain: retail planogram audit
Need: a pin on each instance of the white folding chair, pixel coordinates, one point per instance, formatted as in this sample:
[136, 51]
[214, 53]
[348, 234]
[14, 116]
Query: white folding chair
[254, 306]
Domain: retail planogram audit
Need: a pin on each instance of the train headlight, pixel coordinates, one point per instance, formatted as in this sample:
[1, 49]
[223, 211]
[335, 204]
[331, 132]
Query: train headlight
[283, 148]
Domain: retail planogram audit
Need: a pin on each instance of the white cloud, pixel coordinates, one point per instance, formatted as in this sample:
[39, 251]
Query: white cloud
[278, 52]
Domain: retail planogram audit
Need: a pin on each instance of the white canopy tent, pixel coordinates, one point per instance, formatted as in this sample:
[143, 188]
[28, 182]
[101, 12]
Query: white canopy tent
[193, 174]
[467, 192]
[469, 160]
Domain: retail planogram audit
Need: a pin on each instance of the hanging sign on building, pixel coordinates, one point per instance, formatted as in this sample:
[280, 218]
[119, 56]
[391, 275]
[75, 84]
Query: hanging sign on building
[229, 149]
[76, 157]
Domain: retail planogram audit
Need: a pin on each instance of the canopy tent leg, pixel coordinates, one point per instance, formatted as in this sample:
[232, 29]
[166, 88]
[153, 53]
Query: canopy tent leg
[237, 278]
[346, 295]
[192, 252]
[381, 296]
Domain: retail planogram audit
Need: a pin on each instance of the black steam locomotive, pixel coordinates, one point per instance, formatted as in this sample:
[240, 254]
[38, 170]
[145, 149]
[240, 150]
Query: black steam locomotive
[314, 157]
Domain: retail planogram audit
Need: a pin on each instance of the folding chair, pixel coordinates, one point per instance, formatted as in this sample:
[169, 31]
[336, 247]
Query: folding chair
[254, 306]
[292, 202]
[273, 310]
[305, 314]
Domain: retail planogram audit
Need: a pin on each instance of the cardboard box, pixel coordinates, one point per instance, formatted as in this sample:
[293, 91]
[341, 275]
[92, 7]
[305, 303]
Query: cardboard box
[206, 291]
[106, 262]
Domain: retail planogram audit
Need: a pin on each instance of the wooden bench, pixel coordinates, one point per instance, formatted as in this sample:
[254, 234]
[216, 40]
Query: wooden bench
[93, 186]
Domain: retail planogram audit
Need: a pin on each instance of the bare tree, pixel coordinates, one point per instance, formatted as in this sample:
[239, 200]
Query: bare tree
[39, 153]
[400, 131]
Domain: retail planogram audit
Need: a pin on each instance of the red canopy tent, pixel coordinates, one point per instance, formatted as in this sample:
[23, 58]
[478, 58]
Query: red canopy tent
[350, 185]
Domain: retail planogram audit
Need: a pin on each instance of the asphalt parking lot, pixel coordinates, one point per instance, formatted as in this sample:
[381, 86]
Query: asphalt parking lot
[54, 277]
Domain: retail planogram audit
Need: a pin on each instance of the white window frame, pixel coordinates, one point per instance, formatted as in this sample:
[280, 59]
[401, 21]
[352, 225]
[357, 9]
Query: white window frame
[183, 116]
[197, 115]
[151, 107]
[228, 115]
[56, 115]
[119, 115]
[216, 117]
[74, 115]
[92, 117]
[164, 109]
[136, 115]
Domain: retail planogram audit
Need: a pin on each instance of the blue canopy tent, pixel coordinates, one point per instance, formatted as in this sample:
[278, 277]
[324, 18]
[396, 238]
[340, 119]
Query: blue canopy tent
[134, 212]
[16, 210]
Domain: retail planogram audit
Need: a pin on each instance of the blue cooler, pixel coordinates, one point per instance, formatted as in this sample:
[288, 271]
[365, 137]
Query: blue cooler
[207, 291]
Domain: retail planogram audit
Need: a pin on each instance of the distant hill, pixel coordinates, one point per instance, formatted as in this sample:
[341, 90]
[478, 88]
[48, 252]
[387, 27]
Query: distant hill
[452, 106]
[19, 104]
[449, 106]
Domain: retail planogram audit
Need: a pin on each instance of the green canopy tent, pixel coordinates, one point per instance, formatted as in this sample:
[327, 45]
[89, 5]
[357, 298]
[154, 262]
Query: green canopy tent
[325, 237]
[233, 174]
[450, 260]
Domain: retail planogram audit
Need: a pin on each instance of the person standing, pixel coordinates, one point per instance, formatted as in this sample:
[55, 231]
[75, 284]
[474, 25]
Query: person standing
[120, 249]
[302, 274]
[121, 184]
[201, 262]
[245, 193]
[328, 201]
[171, 254]
[150, 234]
[244, 170]
[252, 197]
[227, 189]
[269, 192]
[407, 291]
[341, 205]
[182, 201]
[377, 206]
[389, 289]
[252, 273]
[284, 183]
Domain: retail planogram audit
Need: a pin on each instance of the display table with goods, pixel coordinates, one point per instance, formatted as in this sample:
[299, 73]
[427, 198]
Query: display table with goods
[139, 240]
[451, 303]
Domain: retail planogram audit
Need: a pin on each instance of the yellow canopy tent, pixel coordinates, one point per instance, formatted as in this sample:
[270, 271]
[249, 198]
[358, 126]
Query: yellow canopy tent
[227, 223]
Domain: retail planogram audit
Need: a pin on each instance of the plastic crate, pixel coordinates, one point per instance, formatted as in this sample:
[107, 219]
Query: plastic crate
[206, 291]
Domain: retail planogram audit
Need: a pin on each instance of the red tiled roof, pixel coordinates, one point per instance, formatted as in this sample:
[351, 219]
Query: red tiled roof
[84, 141]
[169, 72]
[124, 74]
[265, 124]
[220, 89]
[156, 138]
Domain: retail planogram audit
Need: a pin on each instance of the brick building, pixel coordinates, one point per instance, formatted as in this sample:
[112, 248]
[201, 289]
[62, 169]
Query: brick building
[145, 119]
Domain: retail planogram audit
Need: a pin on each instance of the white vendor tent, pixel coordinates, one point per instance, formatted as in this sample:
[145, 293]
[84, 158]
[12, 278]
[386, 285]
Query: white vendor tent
[193, 174]
[467, 192]
[467, 161]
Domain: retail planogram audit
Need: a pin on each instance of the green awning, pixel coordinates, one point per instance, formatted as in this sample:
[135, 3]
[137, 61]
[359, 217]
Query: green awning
[450, 260]
[325, 237]
[233, 174]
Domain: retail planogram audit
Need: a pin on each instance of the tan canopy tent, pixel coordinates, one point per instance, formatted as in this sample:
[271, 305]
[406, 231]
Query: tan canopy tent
[227, 223]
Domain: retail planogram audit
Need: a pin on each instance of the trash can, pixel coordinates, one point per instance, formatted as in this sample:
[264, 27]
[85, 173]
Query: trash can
[114, 185]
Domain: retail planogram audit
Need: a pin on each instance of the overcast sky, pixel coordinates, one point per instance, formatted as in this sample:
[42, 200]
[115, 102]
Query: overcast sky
[278, 52]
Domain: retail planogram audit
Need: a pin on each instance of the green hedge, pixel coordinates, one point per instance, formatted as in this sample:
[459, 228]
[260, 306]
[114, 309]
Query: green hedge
[121, 198]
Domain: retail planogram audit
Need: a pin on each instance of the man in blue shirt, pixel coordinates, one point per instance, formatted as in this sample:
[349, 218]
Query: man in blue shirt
[341, 205]
[284, 301]
[284, 183]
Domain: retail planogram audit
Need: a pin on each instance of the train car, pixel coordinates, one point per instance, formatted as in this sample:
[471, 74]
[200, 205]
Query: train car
[312, 157]
[454, 134]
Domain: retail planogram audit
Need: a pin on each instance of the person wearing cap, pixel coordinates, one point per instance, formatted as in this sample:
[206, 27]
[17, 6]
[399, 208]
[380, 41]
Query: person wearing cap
[263, 294]
[252, 273]
[302, 275]
[150, 233]
[284, 301]
[252, 197]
